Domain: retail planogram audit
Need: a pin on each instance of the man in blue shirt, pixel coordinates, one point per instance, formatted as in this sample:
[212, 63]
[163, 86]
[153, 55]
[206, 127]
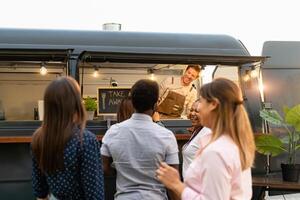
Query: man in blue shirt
[136, 147]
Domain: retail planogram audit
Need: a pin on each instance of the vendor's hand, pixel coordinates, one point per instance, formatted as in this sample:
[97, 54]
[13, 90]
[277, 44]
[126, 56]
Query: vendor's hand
[168, 176]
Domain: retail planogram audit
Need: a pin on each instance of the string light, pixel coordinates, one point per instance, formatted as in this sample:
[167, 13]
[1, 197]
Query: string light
[152, 75]
[96, 72]
[43, 70]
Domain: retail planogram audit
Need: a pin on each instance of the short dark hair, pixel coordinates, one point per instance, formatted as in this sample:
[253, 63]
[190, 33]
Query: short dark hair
[144, 95]
[197, 68]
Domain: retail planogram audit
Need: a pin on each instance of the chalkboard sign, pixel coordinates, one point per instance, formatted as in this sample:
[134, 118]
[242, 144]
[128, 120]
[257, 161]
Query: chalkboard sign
[109, 99]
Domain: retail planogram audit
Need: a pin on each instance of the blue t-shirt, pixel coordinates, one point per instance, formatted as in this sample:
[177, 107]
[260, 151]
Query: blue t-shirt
[82, 176]
[137, 146]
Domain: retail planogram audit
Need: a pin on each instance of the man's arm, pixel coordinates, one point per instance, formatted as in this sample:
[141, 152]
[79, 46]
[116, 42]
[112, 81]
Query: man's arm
[175, 167]
[173, 159]
[105, 152]
[107, 169]
[171, 194]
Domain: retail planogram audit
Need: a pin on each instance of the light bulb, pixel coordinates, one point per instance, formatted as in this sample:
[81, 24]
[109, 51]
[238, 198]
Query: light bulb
[43, 71]
[96, 73]
[152, 77]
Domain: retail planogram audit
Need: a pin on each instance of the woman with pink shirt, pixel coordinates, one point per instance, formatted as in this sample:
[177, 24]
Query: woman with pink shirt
[222, 169]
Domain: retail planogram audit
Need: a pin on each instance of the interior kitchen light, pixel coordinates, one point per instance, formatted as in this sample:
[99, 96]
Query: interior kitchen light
[43, 70]
[152, 75]
[96, 72]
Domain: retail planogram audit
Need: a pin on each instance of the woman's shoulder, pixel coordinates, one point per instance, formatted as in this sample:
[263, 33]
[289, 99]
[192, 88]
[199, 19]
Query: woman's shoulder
[203, 132]
[88, 135]
[203, 137]
[223, 147]
[36, 135]
[206, 131]
[224, 142]
[84, 134]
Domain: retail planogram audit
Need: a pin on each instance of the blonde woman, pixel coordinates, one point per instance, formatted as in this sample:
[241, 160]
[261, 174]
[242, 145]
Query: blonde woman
[222, 170]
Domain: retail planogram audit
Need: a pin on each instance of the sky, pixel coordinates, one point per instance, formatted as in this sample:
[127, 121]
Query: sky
[251, 21]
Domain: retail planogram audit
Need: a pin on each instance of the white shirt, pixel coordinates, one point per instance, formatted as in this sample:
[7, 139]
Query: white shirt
[174, 84]
[189, 149]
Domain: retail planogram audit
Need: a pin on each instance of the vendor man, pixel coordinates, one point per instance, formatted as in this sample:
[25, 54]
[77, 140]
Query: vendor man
[178, 95]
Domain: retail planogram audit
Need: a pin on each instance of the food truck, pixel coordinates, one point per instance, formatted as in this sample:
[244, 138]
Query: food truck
[101, 62]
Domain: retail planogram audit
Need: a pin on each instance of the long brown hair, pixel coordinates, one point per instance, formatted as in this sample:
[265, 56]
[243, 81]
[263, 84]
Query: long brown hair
[125, 109]
[63, 111]
[230, 117]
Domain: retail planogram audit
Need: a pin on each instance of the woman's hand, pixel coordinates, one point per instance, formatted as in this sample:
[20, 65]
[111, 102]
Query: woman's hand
[170, 178]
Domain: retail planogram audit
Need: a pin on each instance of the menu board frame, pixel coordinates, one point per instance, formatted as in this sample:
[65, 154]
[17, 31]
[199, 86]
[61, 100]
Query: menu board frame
[118, 97]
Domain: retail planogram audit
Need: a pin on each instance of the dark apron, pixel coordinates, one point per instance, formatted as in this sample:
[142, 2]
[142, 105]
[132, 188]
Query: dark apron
[172, 106]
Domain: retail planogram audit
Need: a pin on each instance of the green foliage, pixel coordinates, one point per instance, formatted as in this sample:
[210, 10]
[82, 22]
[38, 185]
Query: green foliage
[269, 144]
[271, 116]
[90, 104]
[292, 117]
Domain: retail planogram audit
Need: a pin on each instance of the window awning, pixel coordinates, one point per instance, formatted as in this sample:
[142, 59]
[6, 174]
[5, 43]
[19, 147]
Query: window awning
[169, 58]
[33, 55]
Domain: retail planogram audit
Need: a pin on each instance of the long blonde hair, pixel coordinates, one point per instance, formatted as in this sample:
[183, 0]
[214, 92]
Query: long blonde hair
[230, 117]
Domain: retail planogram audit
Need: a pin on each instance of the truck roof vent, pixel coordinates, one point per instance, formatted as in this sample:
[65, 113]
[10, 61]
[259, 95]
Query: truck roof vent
[111, 27]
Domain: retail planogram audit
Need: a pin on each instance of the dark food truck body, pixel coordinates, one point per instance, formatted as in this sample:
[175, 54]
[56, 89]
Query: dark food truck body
[119, 57]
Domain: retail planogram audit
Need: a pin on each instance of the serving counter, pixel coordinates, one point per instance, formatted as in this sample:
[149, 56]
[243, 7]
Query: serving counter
[15, 167]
